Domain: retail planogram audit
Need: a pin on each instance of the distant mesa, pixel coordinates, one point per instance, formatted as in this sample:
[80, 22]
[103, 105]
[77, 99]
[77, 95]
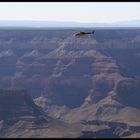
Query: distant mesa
[65, 24]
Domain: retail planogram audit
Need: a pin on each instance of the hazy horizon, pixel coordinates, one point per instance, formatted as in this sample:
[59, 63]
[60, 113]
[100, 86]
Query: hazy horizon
[83, 12]
[67, 21]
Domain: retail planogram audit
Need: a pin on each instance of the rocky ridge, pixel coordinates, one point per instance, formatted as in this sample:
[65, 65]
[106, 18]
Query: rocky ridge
[75, 80]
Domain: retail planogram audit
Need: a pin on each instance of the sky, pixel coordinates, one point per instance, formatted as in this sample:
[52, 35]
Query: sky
[90, 12]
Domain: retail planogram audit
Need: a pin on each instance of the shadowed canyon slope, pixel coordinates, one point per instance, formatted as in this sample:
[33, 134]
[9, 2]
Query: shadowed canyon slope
[89, 85]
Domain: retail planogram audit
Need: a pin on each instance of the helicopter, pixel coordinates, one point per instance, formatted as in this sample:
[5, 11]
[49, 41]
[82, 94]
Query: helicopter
[84, 33]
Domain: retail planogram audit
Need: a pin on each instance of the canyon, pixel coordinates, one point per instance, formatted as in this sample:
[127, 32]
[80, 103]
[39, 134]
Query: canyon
[54, 84]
